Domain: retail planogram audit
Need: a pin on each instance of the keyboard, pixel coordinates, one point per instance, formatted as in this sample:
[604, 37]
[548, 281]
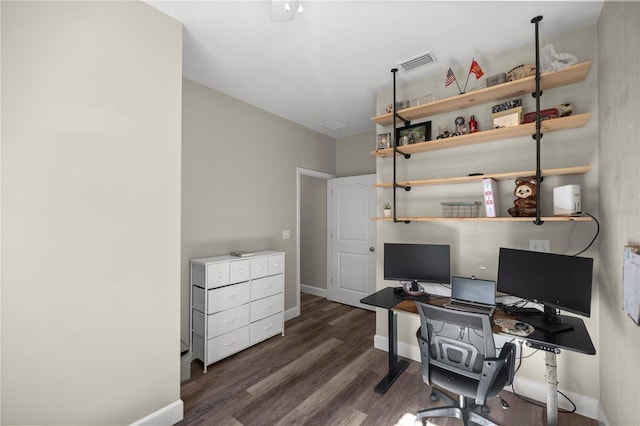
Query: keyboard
[470, 307]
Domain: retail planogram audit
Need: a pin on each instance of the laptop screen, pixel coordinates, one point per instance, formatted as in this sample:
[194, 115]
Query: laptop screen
[473, 290]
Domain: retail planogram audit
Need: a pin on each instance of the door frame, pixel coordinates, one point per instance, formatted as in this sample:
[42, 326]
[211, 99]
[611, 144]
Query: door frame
[320, 175]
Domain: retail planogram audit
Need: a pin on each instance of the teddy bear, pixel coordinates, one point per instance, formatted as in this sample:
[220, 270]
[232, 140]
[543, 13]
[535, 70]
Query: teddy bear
[525, 203]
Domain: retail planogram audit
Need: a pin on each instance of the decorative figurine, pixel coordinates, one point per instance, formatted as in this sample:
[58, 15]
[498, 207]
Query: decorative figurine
[525, 202]
[461, 129]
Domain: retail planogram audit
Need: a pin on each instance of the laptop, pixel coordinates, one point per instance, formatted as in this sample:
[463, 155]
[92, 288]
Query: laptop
[472, 295]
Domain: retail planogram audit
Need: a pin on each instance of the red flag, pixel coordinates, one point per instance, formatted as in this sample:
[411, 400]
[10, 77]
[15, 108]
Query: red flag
[475, 68]
[450, 78]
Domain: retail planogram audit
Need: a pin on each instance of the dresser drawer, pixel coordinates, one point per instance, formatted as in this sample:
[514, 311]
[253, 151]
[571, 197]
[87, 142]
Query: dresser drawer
[276, 264]
[239, 270]
[266, 307]
[223, 298]
[265, 328]
[222, 346]
[222, 322]
[218, 275]
[259, 267]
[267, 286]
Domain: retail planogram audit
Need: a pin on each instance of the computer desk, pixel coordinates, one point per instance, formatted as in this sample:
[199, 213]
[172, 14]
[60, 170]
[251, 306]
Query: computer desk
[576, 340]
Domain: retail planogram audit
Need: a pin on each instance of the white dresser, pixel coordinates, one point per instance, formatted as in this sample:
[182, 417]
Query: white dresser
[236, 302]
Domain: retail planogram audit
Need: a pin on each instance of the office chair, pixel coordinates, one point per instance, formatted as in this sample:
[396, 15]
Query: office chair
[457, 353]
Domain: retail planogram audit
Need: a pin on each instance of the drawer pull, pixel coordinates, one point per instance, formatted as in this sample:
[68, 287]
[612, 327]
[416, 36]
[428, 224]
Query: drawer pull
[267, 307]
[277, 265]
[219, 274]
[230, 320]
[241, 271]
[261, 267]
[230, 343]
[268, 327]
[230, 296]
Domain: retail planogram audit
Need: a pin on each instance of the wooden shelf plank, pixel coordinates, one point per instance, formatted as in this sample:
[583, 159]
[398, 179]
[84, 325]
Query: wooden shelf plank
[497, 176]
[552, 125]
[488, 219]
[573, 74]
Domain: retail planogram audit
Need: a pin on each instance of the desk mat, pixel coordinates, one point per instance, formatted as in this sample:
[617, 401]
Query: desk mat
[509, 326]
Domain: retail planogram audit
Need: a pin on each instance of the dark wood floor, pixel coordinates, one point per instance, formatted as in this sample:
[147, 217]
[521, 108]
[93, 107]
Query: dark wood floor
[322, 372]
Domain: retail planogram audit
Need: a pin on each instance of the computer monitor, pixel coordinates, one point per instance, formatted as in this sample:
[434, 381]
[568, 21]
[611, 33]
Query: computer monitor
[556, 281]
[426, 263]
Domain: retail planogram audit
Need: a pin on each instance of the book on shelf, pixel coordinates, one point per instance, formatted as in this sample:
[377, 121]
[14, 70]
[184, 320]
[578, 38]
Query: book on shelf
[491, 203]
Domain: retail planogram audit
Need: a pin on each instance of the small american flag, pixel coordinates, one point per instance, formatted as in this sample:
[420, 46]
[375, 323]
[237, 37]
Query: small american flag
[450, 78]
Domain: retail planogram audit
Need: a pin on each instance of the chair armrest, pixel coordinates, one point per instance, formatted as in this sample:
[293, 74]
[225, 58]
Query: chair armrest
[423, 344]
[491, 369]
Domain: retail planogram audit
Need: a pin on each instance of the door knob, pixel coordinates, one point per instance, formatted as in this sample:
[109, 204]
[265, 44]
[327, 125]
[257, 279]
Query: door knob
[372, 249]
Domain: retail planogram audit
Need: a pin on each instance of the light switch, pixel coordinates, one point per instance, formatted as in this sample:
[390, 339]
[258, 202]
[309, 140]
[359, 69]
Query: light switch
[286, 234]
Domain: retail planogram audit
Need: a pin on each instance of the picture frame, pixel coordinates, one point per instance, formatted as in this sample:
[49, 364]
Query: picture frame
[414, 133]
[383, 141]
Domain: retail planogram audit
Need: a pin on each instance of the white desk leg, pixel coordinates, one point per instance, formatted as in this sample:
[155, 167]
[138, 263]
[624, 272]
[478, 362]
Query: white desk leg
[551, 376]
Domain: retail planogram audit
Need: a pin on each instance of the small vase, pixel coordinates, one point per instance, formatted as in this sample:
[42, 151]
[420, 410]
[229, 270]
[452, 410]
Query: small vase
[387, 212]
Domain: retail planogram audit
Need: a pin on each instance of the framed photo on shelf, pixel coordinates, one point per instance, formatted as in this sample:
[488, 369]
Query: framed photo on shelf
[414, 133]
[383, 141]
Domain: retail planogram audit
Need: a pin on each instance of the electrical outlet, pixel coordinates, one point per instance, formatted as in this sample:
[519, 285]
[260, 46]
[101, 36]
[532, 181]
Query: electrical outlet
[540, 245]
[285, 234]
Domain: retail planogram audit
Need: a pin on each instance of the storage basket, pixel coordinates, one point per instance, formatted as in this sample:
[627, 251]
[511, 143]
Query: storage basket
[460, 208]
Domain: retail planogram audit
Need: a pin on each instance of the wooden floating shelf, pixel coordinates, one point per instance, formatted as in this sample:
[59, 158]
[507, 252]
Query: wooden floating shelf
[487, 219]
[496, 176]
[573, 74]
[551, 125]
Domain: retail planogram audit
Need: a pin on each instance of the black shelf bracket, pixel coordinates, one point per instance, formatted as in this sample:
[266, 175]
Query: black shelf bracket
[404, 121]
[538, 135]
[405, 187]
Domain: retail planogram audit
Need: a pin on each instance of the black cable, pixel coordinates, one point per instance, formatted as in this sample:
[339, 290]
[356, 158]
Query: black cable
[594, 237]
[573, 410]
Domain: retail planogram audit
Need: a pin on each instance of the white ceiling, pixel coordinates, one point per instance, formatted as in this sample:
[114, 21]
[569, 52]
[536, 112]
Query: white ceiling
[329, 63]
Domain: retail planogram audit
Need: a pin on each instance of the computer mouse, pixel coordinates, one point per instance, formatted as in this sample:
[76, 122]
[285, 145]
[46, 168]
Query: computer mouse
[520, 326]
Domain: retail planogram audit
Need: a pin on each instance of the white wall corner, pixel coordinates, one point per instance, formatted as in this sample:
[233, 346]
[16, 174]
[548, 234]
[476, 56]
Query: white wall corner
[292, 313]
[585, 405]
[167, 415]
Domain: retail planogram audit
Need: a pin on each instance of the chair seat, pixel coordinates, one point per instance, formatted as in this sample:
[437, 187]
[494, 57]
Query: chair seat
[459, 384]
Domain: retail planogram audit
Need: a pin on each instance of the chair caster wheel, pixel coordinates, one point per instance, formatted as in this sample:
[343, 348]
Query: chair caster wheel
[434, 397]
[485, 409]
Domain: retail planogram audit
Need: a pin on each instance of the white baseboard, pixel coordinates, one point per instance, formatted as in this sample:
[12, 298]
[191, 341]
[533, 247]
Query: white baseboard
[167, 415]
[313, 290]
[585, 405]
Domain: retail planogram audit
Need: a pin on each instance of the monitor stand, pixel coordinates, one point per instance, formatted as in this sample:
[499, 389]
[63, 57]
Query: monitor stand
[550, 321]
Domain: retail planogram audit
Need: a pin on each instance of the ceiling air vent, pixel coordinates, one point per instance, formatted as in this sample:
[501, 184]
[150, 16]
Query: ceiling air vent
[417, 61]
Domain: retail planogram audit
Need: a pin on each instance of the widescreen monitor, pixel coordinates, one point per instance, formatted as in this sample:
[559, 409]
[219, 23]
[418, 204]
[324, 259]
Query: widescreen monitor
[427, 263]
[556, 281]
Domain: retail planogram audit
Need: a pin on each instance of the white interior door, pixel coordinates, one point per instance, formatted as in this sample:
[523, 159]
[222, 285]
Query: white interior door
[353, 239]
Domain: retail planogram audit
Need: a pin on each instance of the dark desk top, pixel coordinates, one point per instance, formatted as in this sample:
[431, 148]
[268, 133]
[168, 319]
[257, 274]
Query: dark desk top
[576, 340]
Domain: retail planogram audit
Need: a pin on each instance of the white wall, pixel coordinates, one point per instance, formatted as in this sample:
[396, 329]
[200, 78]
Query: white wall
[239, 180]
[90, 212]
[619, 154]
[475, 245]
[352, 154]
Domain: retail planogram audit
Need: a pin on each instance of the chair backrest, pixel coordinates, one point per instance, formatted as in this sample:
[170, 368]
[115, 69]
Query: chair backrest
[458, 341]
